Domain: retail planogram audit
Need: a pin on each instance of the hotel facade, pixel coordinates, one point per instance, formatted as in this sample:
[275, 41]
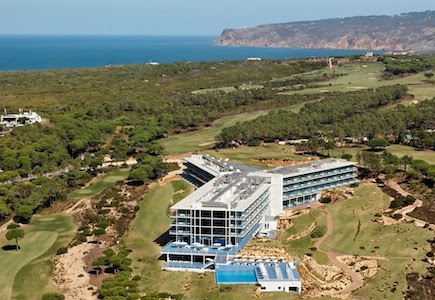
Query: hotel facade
[233, 203]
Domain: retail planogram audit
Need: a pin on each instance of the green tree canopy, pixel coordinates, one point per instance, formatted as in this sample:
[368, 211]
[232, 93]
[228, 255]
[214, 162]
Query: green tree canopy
[15, 234]
[24, 213]
[378, 143]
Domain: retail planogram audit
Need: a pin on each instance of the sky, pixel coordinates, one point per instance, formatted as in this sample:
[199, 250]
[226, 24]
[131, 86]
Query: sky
[179, 17]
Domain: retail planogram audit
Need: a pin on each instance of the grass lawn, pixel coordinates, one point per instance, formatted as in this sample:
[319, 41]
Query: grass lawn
[355, 233]
[26, 273]
[361, 75]
[204, 139]
[398, 150]
[298, 248]
[229, 89]
[100, 184]
[224, 89]
[151, 221]
[181, 190]
[246, 155]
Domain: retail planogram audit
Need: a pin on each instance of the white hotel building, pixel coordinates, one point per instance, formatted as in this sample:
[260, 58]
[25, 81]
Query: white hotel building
[234, 203]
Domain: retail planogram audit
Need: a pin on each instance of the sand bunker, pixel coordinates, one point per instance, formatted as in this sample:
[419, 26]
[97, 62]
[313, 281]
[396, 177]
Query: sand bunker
[70, 274]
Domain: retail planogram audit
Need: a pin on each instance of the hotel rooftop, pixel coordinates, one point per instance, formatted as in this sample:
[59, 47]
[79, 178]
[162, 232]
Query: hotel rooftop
[234, 192]
[315, 166]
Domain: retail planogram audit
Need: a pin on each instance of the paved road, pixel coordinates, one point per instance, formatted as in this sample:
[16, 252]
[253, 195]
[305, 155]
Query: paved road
[58, 173]
[357, 282]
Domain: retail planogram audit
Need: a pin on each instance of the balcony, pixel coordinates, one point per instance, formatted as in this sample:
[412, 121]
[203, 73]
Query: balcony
[320, 182]
[174, 232]
[316, 176]
[306, 192]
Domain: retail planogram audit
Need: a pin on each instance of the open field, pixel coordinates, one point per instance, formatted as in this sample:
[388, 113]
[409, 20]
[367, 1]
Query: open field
[247, 155]
[152, 221]
[100, 184]
[357, 76]
[298, 248]
[224, 89]
[204, 139]
[26, 273]
[229, 89]
[398, 150]
[356, 233]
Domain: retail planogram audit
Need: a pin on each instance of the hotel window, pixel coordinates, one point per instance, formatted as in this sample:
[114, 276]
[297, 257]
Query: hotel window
[219, 231]
[220, 223]
[219, 214]
[206, 231]
[206, 214]
[205, 222]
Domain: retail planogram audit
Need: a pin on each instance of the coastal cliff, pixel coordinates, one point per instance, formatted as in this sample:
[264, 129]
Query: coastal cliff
[405, 32]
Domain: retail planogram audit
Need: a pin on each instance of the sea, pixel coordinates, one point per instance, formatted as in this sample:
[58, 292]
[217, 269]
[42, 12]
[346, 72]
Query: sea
[39, 52]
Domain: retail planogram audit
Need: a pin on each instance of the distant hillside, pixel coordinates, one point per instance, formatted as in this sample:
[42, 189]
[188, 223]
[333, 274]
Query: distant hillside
[406, 32]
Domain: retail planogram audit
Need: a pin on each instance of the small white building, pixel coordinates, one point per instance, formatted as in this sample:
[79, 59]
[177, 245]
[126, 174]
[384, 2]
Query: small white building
[278, 277]
[20, 119]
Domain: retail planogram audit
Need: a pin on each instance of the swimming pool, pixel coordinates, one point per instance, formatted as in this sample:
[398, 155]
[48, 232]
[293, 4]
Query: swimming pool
[235, 277]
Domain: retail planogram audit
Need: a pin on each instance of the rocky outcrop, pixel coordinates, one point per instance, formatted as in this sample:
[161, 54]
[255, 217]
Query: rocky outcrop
[406, 32]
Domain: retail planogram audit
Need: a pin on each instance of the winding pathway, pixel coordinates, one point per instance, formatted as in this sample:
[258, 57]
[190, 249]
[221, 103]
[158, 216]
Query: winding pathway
[410, 208]
[357, 282]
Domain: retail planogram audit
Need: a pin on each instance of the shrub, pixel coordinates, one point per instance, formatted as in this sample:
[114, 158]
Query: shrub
[81, 237]
[53, 296]
[397, 216]
[62, 250]
[99, 231]
[136, 278]
[347, 156]
[13, 225]
[254, 143]
[325, 200]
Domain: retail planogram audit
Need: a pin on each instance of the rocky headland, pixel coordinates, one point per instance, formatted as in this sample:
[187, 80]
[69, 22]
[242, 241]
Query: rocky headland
[405, 32]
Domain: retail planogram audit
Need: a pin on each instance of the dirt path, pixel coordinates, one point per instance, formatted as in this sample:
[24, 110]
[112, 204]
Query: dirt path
[4, 227]
[410, 208]
[357, 282]
[395, 186]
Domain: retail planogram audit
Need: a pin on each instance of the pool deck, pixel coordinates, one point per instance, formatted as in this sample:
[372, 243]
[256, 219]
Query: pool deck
[264, 272]
[230, 250]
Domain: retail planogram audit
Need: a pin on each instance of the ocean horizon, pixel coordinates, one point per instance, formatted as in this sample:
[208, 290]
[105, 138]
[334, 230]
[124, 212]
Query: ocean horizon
[45, 52]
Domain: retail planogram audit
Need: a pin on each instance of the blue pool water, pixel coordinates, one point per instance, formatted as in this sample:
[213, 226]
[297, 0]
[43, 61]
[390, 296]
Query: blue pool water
[235, 277]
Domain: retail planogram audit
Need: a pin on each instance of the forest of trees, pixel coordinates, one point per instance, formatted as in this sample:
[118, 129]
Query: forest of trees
[83, 107]
[333, 116]
[404, 64]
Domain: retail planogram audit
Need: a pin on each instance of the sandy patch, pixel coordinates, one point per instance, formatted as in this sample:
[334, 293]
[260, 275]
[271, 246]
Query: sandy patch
[356, 88]
[363, 266]
[206, 144]
[265, 253]
[70, 274]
